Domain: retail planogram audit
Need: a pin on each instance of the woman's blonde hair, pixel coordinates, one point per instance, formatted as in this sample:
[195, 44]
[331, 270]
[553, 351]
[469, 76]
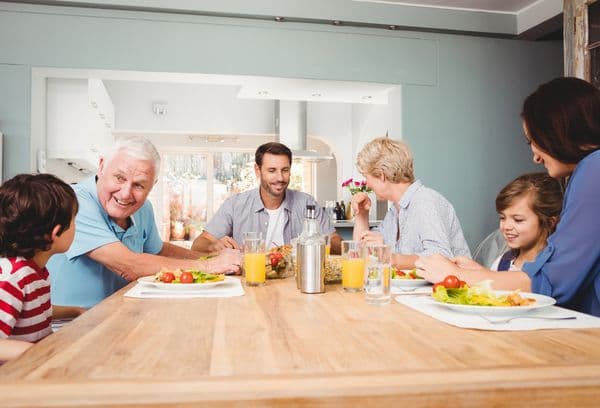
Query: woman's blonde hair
[389, 157]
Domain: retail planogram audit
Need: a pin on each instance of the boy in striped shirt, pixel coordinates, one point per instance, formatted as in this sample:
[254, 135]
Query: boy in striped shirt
[36, 221]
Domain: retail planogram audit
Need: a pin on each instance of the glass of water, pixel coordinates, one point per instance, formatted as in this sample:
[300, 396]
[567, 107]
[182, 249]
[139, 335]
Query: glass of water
[377, 274]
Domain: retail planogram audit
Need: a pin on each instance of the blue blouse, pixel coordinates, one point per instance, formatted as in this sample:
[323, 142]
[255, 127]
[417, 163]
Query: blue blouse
[568, 269]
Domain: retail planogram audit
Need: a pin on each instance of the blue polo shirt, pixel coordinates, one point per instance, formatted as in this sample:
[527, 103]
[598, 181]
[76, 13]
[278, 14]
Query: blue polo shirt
[76, 279]
[568, 269]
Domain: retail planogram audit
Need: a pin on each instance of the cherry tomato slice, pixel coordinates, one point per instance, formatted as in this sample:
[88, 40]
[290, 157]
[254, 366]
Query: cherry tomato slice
[167, 277]
[451, 282]
[186, 277]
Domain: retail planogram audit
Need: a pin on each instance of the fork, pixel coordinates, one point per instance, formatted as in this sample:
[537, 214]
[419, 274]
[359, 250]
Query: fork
[506, 320]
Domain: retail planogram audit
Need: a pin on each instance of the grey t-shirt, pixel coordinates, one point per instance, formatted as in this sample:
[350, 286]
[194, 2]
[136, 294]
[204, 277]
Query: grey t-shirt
[246, 212]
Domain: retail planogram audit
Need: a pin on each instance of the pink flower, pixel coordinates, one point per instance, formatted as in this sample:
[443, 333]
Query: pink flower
[356, 186]
[347, 182]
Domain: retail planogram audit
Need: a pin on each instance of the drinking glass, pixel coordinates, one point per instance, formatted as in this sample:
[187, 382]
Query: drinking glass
[353, 266]
[327, 246]
[377, 277]
[294, 259]
[255, 259]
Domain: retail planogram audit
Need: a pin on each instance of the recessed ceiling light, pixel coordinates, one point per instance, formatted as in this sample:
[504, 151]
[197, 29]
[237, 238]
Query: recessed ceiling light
[316, 95]
[366, 97]
[263, 93]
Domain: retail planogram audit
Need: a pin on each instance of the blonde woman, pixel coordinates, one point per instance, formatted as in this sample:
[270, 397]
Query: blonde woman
[420, 221]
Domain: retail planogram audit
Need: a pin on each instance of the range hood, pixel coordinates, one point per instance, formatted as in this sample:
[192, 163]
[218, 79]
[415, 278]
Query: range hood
[290, 123]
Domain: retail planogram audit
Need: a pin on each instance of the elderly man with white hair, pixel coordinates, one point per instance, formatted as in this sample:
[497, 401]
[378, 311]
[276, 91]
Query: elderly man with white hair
[116, 239]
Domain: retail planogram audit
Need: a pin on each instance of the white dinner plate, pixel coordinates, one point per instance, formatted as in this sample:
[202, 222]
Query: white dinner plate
[149, 280]
[409, 283]
[541, 301]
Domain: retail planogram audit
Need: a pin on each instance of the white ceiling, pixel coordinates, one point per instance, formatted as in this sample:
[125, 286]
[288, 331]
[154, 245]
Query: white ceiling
[499, 6]
[249, 87]
[498, 17]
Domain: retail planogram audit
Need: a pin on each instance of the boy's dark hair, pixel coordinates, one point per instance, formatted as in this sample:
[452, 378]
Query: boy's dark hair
[272, 148]
[562, 117]
[31, 205]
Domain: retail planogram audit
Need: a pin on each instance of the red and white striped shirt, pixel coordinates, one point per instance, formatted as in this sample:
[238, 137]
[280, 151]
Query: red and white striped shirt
[25, 308]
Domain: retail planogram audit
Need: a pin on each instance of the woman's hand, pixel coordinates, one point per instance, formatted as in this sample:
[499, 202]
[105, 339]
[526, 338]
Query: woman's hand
[372, 237]
[464, 262]
[361, 203]
[435, 268]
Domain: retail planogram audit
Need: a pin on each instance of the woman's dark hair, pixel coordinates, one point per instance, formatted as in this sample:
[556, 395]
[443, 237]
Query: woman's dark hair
[546, 197]
[272, 148]
[562, 118]
[31, 205]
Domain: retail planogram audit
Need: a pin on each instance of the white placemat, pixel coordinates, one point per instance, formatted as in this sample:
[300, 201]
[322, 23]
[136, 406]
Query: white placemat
[233, 287]
[428, 306]
[419, 290]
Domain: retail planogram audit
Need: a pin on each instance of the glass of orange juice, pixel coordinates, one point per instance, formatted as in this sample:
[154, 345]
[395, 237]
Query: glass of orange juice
[255, 259]
[327, 245]
[353, 266]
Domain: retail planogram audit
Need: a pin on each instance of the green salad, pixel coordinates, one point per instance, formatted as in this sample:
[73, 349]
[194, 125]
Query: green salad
[478, 295]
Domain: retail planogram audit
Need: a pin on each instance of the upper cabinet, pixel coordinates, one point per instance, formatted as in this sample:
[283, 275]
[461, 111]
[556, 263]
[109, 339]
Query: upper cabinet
[79, 121]
[582, 39]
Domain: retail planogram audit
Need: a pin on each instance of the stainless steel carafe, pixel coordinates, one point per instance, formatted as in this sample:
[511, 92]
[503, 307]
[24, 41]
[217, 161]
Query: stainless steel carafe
[311, 255]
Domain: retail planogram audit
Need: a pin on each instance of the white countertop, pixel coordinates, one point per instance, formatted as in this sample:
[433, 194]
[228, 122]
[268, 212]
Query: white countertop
[350, 223]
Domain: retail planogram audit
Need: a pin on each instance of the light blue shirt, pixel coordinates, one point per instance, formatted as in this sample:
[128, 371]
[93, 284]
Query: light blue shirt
[425, 224]
[568, 269]
[76, 279]
[246, 212]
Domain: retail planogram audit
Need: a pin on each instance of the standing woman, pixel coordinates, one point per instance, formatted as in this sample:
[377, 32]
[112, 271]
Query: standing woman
[561, 121]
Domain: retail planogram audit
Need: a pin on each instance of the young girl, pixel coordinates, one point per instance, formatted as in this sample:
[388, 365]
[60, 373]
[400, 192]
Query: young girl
[529, 207]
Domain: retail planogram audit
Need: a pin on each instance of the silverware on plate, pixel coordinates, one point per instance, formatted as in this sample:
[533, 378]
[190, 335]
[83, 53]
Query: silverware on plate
[508, 319]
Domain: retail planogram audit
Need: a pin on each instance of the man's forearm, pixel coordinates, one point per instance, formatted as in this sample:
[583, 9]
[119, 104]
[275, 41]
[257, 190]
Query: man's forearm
[175, 251]
[130, 265]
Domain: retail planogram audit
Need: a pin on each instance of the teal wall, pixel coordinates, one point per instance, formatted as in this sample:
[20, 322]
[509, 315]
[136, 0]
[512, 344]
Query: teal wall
[461, 95]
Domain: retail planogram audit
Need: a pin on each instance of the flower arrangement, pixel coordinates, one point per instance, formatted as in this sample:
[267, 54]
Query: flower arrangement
[356, 186]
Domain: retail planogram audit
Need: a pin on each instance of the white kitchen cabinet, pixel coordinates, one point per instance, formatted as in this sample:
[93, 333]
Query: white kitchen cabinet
[79, 121]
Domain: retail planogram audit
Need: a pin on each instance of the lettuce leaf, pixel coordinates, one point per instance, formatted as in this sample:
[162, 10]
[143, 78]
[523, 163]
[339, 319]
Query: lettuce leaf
[478, 295]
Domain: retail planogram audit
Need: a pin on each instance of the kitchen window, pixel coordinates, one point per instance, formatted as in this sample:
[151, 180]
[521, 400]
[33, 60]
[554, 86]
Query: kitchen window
[193, 185]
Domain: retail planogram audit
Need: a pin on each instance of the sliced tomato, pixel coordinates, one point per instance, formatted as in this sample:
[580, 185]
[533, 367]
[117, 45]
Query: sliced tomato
[186, 277]
[167, 277]
[451, 282]
[435, 286]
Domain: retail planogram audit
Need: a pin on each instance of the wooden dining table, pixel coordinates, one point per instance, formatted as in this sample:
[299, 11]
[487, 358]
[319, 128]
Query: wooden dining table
[277, 346]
